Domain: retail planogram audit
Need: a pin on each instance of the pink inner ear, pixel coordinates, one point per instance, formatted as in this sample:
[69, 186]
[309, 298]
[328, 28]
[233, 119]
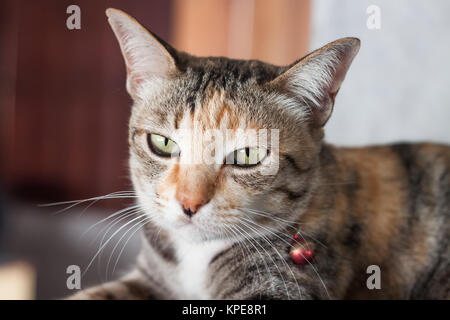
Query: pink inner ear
[316, 79]
[144, 55]
[345, 57]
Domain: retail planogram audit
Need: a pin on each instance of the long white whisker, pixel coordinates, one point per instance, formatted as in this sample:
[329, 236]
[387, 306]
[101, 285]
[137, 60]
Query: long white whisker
[113, 222]
[273, 261]
[312, 266]
[110, 225]
[234, 227]
[242, 245]
[277, 252]
[287, 224]
[137, 224]
[73, 203]
[119, 193]
[142, 223]
[104, 245]
[95, 201]
[281, 257]
[107, 218]
[270, 216]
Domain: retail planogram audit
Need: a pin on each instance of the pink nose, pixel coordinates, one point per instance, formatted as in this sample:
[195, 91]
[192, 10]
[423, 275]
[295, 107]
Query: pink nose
[191, 202]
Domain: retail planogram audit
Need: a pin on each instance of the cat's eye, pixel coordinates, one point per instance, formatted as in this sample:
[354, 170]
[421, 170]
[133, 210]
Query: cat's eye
[162, 146]
[247, 157]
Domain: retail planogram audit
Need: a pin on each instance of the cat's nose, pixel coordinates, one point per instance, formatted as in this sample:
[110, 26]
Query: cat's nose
[191, 203]
[188, 212]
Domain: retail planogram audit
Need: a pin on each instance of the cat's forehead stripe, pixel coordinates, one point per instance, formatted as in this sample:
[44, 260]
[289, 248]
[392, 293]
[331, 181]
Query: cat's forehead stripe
[215, 112]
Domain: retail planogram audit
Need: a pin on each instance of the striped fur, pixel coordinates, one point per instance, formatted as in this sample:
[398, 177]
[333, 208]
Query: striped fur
[383, 205]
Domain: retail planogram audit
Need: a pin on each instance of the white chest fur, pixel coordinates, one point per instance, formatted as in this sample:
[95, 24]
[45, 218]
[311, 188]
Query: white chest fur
[192, 270]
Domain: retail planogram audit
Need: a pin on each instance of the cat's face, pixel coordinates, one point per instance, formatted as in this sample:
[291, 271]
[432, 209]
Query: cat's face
[223, 148]
[200, 188]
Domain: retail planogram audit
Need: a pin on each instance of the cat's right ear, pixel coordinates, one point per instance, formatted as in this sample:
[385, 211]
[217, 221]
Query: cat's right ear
[146, 56]
[314, 80]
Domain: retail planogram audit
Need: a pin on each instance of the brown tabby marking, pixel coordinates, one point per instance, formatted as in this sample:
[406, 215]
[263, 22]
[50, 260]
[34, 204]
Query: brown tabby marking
[383, 205]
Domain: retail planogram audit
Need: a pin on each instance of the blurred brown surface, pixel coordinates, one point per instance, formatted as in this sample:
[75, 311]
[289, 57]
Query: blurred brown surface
[67, 133]
[8, 66]
[268, 30]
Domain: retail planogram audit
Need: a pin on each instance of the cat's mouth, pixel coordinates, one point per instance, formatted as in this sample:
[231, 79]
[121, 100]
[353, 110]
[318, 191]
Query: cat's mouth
[197, 229]
[189, 224]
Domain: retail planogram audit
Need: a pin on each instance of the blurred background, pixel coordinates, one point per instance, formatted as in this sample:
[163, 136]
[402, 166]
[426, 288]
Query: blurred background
[64, 109]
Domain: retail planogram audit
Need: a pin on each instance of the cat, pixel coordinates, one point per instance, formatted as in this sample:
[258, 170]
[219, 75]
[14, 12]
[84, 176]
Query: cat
[228, 230]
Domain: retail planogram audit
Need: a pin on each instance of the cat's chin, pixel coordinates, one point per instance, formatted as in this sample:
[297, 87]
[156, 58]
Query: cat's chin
[191, 232]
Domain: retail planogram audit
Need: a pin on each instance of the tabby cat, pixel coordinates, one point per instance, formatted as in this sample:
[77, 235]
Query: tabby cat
[224, 229]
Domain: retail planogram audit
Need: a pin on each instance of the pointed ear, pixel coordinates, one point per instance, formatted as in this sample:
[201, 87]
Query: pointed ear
[145, 55]
[316, 78]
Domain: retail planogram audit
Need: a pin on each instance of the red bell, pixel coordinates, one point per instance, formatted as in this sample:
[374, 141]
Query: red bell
[301, 256]
[297, 237]
[301, 253]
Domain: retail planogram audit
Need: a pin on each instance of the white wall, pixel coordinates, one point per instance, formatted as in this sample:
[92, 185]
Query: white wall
[398, 88]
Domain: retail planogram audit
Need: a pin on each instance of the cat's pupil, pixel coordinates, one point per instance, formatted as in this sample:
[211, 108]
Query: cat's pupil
[247, 152]
[166, 141]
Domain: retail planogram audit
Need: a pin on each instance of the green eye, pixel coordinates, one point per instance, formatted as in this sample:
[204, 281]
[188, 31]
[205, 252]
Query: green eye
[248, 157]
[162, 146]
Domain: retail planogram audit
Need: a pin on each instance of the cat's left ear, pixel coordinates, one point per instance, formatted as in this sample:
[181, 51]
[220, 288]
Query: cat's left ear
[146, 56]
[315, 79]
